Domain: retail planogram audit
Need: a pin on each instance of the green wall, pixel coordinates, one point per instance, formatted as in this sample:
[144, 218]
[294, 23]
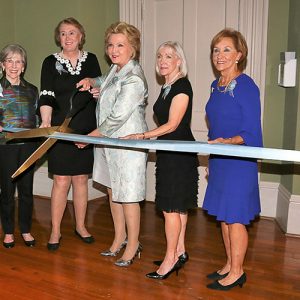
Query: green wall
[281, 110]
[291, 138]
[31, 23]
[274, 102]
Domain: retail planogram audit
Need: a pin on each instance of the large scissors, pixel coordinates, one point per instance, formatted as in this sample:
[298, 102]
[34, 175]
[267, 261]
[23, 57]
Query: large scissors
[42, 132]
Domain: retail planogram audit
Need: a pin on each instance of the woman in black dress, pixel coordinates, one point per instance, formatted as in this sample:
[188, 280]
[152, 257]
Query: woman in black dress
[68, 164]
[176, 173]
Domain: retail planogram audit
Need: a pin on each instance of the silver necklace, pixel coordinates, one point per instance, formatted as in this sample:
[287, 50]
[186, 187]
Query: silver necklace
[167, 86]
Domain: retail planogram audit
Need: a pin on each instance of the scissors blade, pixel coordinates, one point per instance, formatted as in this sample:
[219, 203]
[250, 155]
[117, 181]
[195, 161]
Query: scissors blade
[31, 133]
[64, 126]
[13, 129]
[39, 152]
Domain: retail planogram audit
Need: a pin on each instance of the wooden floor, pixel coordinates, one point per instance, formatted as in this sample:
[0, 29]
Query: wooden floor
[77, 271]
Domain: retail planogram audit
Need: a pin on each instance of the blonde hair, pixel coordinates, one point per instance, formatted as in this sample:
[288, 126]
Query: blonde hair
[131, 32]
[179, 52]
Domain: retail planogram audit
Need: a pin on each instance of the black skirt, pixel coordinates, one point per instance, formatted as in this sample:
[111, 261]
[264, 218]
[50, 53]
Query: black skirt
[176, 181]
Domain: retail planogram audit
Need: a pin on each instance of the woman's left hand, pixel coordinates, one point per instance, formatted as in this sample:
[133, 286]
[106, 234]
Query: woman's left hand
[95, 92]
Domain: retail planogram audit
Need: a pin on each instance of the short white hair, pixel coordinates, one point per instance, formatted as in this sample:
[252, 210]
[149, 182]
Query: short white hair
[179, 52]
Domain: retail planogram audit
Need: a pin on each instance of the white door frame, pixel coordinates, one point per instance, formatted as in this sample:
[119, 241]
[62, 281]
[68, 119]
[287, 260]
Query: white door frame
[253, 23]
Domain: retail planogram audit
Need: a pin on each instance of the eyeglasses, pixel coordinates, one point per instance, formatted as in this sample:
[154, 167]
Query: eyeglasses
[11, 62]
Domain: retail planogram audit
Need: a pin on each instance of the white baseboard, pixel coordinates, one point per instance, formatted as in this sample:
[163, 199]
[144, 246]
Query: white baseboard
[268, 198]
[287, 208]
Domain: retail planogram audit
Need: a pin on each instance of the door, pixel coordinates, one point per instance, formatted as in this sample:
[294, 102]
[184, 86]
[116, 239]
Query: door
[193, 23]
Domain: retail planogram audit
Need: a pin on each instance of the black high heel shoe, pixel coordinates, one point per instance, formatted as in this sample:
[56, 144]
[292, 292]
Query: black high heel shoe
[86, 239]
[176, 268]
[184, 257]
[9, 245]
[30, 243]
[218, 286]
[54, 246]
[216, 276]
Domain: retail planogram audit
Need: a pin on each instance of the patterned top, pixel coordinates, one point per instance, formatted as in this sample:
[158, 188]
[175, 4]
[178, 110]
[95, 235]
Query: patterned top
[17, 105]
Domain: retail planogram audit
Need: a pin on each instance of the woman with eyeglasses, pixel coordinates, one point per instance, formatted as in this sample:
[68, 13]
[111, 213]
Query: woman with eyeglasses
[18, 100]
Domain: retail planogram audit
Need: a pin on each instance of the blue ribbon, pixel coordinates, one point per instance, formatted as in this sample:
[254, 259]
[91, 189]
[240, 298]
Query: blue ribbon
[186, 146]
[181, 146]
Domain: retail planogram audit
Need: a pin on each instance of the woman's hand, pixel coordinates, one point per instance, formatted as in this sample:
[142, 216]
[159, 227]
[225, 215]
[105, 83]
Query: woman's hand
[85, 84]
[220, 140]
[95, 133]
[235, 140]
[45, 124]
[136, 136]
[95, 92]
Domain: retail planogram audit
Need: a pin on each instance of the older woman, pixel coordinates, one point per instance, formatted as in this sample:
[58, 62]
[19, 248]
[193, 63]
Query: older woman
[69, 165]
[233, 113]
[18, 100]
[120, 111]
[176, 173]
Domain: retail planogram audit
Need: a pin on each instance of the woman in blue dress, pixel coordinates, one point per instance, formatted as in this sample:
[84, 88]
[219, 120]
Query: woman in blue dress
[233, 114]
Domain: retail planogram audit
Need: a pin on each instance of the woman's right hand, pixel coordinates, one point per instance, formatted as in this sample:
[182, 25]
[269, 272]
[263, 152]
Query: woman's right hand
[45, 124]
[84, 84]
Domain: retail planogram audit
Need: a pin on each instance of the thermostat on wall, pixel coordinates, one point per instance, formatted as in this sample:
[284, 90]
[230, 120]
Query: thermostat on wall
[287, 69]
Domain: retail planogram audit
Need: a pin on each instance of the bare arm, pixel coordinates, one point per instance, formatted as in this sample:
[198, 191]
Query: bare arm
[46, 113]
[176, 113]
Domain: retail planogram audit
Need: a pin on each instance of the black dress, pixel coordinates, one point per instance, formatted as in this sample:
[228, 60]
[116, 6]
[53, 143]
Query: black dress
[176, 172]
[58, 82]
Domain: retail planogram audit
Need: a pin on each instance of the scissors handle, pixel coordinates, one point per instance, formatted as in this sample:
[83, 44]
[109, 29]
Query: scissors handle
[73, 110]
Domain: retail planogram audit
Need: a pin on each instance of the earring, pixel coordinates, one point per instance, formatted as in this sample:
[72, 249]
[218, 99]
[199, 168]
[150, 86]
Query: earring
[236, 61]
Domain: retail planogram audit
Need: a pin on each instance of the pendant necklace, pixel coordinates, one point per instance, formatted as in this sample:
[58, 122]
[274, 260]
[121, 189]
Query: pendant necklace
[230, 85]
[167, 86]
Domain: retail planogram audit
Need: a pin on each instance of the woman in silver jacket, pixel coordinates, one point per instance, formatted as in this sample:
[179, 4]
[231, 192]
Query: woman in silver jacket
[120, 111]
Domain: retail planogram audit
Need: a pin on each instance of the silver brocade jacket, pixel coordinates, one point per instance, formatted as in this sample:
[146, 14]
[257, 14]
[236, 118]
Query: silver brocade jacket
[121, 111]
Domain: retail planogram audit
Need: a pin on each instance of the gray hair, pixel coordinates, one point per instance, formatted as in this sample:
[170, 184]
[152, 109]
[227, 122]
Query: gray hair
[179, 52]
[12, 49]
